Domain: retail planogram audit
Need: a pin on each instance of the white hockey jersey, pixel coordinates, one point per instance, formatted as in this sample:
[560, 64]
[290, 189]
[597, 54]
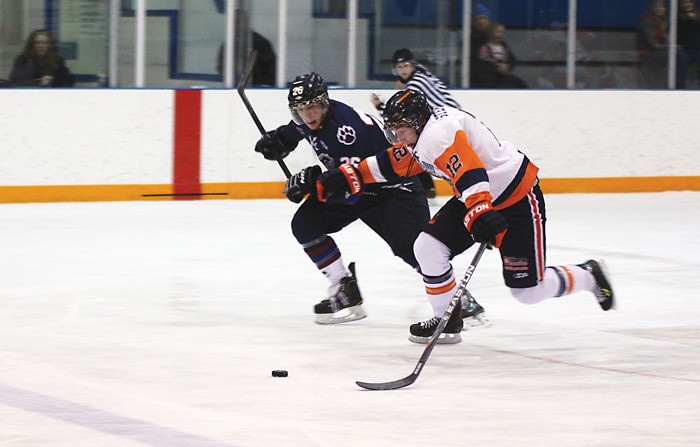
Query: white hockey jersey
[460, 149]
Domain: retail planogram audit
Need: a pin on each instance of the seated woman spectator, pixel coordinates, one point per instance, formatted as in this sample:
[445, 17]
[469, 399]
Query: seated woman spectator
[40, 65]
[497, 52]
[652, 47]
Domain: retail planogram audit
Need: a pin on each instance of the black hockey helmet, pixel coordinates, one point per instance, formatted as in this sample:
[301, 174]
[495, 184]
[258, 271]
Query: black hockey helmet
[405, 108]
[402, 56]
[305, 90]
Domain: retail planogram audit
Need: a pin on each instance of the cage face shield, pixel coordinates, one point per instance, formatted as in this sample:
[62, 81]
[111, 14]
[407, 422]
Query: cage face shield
[307, 90]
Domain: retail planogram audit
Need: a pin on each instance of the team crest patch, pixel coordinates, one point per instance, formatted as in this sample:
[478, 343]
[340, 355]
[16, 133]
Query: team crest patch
[319, 145]
[346, 135]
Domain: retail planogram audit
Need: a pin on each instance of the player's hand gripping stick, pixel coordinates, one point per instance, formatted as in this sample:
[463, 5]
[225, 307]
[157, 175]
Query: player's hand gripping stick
[272, 145]
[485, 224]
[336, 185]
[302, 183]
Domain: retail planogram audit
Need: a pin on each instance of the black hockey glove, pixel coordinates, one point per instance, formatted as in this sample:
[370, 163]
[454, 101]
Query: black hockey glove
[272, 143]
[302, 183]
[486, 224]
[336, 185]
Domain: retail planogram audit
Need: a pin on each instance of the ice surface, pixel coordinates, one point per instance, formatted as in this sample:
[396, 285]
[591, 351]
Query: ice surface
[159, 323]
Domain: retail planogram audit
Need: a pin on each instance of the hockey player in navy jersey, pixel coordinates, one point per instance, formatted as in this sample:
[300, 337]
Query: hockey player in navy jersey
[342, 136]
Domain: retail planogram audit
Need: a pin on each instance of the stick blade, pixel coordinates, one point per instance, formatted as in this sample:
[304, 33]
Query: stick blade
[385, 386]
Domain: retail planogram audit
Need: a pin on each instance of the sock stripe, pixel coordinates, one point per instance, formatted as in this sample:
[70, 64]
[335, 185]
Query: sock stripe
[570, 277]
[323, 252]
[562, 281]
[436, 285]
[440, 290]
[439, 279]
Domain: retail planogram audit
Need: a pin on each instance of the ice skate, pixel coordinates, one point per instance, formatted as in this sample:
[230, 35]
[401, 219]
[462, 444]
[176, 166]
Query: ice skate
[421, 332]
[344, 302]
[603, 290]
[472, 312]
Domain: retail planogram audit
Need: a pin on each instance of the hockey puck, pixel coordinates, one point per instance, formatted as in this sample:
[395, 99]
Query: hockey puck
[279, 373]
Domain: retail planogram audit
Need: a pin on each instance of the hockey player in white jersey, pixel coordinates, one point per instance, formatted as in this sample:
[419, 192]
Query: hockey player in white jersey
[497, 200]
[412, 75]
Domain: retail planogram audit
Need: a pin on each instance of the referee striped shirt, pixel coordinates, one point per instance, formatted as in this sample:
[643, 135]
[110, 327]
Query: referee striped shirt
[423, 81]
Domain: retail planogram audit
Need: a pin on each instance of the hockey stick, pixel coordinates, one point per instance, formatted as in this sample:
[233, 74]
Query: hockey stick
[242, 84]
[454, 305]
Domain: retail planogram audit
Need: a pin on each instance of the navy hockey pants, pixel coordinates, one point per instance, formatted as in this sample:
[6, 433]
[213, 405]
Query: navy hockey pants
[397, 215]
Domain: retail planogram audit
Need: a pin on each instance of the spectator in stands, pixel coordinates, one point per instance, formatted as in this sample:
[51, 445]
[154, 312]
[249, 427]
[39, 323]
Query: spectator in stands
[481, 23]
[652, 47]
[481, 73]
[40, 64]
[414, 76]
[689, 34]
[497, 52]
[265, 70]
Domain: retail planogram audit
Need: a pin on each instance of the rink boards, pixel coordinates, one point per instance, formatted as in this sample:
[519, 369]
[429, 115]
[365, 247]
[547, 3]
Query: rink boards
[112, 145]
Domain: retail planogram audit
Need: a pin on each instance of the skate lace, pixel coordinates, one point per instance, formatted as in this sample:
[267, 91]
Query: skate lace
[601, 293]
[429, 323]
[338, 301]
[338, 297]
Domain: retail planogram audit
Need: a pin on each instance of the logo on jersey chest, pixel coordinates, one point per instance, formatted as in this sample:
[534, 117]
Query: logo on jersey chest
[319, 146]
[430, 168]
[346, 135]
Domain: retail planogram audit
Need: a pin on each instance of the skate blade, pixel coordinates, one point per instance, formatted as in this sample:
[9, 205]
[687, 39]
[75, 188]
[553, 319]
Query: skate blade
[346, 315]
[443, 339]
[479, 320]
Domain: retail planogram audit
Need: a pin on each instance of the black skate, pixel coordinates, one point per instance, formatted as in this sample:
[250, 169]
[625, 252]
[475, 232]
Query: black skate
[422, 332]
[344, 302]
[472, 312]
[603, 290]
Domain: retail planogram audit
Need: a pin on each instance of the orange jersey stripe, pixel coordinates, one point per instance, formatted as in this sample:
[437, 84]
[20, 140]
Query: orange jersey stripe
[458, 158]
[523, 188]
[396, 161]
[365, 172]
[402, 162]
[440, 290]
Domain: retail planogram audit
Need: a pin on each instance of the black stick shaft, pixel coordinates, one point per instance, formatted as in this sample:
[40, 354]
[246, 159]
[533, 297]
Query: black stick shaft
[242, 84]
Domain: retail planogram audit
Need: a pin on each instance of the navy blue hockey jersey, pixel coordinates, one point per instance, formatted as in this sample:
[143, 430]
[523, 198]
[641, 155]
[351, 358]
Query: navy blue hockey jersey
[346, 136]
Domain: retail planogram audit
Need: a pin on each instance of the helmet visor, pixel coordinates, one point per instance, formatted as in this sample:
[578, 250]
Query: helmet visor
[391, 136]
[321, 101]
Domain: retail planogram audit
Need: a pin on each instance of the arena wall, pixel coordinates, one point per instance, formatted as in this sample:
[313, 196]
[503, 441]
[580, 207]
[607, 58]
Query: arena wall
[104, 145]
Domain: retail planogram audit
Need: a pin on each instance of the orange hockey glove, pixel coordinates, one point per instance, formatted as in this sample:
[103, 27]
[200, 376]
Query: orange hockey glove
[485, 224]
[336, 185]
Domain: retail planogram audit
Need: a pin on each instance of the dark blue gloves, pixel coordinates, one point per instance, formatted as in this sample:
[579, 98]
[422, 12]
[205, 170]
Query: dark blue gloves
[272, 144]
[302, 183]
